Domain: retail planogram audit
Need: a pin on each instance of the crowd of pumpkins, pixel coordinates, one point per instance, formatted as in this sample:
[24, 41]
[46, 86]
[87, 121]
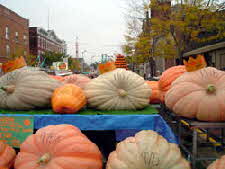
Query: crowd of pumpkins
[199, 94]
[65, 147]
[116, 90]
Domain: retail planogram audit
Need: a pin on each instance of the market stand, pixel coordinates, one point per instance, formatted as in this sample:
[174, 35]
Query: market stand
[137, 120]
[207, 134]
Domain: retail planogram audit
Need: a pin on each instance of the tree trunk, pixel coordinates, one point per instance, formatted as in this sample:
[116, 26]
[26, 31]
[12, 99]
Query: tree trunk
[151, 65]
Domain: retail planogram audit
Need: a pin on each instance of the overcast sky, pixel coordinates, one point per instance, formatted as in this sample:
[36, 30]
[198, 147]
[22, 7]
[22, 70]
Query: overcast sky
[99, 24]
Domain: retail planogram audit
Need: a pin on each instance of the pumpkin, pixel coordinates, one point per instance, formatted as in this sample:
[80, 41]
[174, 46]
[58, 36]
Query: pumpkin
[60, 78]
[58, 147]
[7, 155]
[118, 90]
[169, 76]
[146, 150]
[156, 93]
[199, 94]
[218, 164]
[68, 99]
[25, 89]
[77, 79]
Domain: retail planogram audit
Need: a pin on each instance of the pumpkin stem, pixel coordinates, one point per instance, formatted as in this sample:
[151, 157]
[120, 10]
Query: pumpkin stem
[122, 92]
[211, 88]
[9, 89]
[44, 159]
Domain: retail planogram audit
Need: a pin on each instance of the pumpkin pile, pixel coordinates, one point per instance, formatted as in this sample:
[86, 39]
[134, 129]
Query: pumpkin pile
[65, 147]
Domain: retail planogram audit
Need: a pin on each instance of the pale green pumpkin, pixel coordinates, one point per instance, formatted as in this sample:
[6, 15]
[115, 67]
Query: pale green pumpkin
[118, 90]
[25, 89]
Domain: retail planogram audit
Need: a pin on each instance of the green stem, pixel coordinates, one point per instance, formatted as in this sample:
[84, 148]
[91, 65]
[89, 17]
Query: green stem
[211, 88]
[122, 92]
[44, 159]
[8, 89]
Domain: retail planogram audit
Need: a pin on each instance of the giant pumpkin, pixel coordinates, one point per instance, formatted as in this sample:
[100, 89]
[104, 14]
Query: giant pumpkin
[60, 78]
[7, 155]
[218, 164]
[26, 89]
[199, 94]
[58, 147]
[169, 76]
[118, 90]
[156, 93]
[146, 150]
[68, 99]
[77, 79]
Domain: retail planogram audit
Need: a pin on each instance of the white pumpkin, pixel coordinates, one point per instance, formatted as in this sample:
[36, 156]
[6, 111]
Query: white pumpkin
[147, 150]
[26, 89]
[118, 90]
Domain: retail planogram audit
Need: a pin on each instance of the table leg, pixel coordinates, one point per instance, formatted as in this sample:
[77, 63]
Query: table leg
[194, 148]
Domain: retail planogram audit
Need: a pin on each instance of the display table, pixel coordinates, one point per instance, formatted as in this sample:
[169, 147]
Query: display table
[124, 125]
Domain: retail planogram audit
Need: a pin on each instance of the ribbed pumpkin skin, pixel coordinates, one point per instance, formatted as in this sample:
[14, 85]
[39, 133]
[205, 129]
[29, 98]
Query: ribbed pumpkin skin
[60, 78]
[68, 99]
[169, 76]
[7, 155]
[62, 147]
[29, 90]
[156, 93]
[218, 164]
[191, 95]
[118, 90]
[77, 79]
[147, 150]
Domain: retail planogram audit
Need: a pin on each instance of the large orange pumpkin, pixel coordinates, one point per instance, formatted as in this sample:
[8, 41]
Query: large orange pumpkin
[218, 164]
[156, 93]
[169, 76]
[68, 99]
[199, 94]
[4, 167]
[7, 155]
[58, 147]
[77, 79]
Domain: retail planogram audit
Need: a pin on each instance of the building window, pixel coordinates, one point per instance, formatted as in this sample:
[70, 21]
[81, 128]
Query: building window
[25, 39]
[17, 36]
[39, 42]
[7, 50]
[7, 32]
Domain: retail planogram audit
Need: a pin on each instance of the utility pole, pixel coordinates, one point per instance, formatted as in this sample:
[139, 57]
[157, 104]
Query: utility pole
[77, 48]
[48, 18]
[151, 52]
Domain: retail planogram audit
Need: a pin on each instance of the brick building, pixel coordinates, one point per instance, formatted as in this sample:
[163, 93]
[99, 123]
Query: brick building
[42, 41]
[14, 34]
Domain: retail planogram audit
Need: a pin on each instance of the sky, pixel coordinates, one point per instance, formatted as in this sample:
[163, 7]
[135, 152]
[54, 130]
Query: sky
[99, 24]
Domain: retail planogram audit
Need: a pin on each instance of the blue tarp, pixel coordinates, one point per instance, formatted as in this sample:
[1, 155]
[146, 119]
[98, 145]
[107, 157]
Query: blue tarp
[124, 125]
